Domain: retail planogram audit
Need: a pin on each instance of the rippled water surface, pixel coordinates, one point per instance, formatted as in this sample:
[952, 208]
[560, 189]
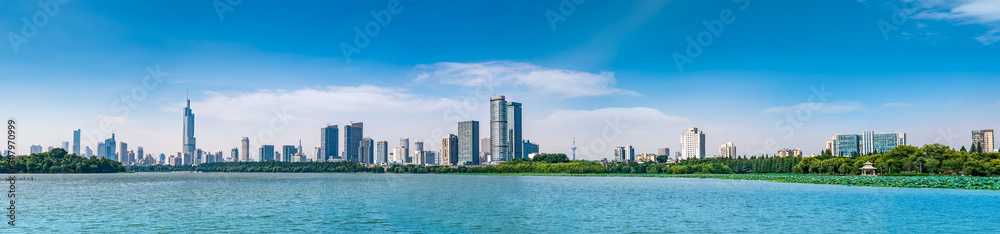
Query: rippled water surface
[237, 202]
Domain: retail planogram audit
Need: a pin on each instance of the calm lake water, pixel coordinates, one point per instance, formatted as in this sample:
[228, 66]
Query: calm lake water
[335, 203]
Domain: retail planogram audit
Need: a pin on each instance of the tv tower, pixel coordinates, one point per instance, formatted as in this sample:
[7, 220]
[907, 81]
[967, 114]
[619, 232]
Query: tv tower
[574, 148]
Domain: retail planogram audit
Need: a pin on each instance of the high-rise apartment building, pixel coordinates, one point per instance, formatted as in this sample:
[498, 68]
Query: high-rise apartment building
[727, 150]
[516, 140]
[449, 150]
[353, 133]
[624, 154]
[468, 143]
[984, 139]
[122, 152]
[789, 153]
[189, 141]
[328, 142]
[692, 144]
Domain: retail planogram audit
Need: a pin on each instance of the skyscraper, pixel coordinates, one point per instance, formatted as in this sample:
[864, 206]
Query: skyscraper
[693, 144]
[87, 153]
[65, 146]
[382, 152]
[245, 147]
[449, 150]
[123, 152]
[515, 140]
[366, 151]
[266, 153]
[110, 148]
[984, 139]
[468, 143]
[139, 154]
[352, 140]
[189, 141]
[404, 144]
[101, 150]
[328, 142]
[36, 149]
[499, 138]
[418, 146]
[287, 151]
[235, 155]
[727, 150]
[76, 142]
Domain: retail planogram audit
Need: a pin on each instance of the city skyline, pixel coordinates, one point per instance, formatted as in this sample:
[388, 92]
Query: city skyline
[575, 76]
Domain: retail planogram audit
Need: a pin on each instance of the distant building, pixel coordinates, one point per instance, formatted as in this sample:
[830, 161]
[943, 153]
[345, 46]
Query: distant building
[418, 146]
[430, 158]
[866, 143]
[188, 140]
[266, 153]
[624, 154]
[382, 152]
[449, 150]
[101, 150]
[245, 147]
[366, 151]
[88, 153]
[36, 149]
[353, 133]
[529, 148]
[65, 146]
[404, 144]
[984, 139]
[123, 152]
[646, 157]
[727, 150]
[139, 154]
[663, 151]
[328, 142]
[468, 143]
[76, 142]
[399, 155]
[692, 144]
[287, 151]
[789, 153]
[318, 154]
[419, 157]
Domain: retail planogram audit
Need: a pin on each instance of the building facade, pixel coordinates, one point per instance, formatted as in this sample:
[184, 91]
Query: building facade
[449, 150]
[530, 148]
[382, 152]
[692, 144]
[353, 133]
[789, 153]
[468, 143]
[366, 151]
[867, 143]
[76, 142]
[727, 150]
[624, 154]
[189, 140]
[984, 139]
[328, 141]
[245, 147]
[266, 153]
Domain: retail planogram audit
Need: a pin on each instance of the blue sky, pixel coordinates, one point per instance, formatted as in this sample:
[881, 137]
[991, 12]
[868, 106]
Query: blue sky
[604, 73]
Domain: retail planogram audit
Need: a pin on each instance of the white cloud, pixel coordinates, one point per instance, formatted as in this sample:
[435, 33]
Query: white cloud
[817, 107]
[546, 81]
[263, 104]
[598, 131]
[983, 12]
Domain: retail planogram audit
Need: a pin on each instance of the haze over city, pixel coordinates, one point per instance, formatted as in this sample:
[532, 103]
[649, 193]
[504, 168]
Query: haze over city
[605, 73]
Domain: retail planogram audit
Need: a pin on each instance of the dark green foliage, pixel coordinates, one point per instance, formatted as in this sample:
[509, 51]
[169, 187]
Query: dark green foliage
[551, 158]
[57, 161]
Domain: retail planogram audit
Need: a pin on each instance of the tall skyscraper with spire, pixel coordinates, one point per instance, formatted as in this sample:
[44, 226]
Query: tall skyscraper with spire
[189, 141]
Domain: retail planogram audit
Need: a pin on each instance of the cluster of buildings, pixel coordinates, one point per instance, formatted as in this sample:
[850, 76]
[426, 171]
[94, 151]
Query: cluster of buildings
[505, 142]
